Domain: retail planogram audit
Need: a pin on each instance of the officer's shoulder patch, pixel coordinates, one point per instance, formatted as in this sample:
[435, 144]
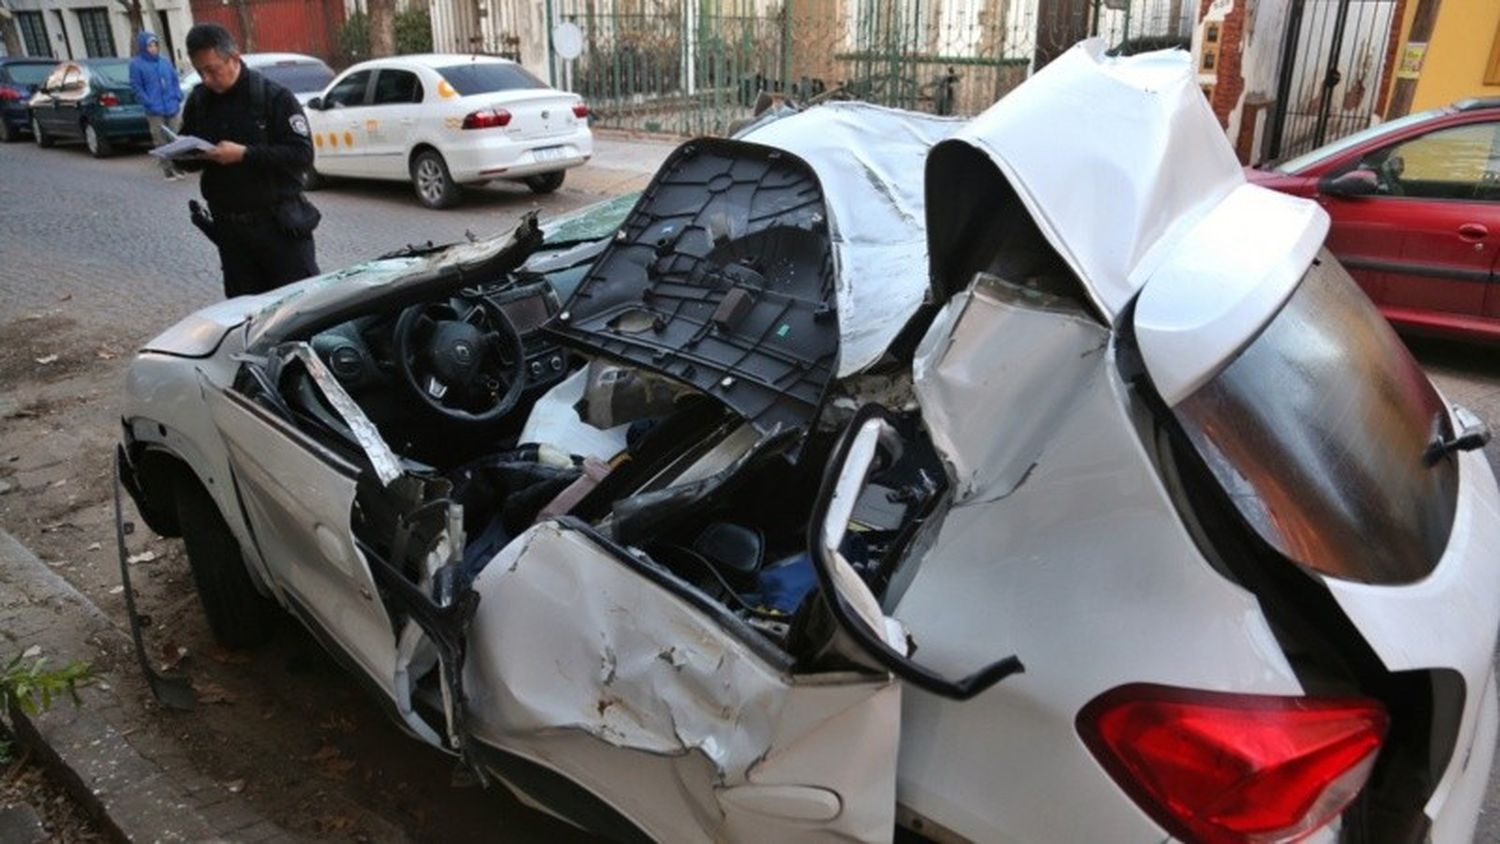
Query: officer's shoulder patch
[299, 125]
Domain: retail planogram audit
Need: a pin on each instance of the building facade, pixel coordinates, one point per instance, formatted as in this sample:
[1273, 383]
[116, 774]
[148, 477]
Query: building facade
[80, 29]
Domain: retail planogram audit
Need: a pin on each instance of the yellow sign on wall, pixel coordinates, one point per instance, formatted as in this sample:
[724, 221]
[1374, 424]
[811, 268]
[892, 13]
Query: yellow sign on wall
[1411, 61]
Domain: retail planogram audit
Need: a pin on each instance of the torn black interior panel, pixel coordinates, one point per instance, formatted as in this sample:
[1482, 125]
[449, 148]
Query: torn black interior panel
[723, 277]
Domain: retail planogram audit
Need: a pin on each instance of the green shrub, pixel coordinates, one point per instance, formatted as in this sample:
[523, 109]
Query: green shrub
[354, 38]
[413, 34]
[414, 31]
[32, 689]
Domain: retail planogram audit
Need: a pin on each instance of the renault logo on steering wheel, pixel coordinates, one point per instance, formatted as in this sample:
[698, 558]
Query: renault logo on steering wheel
[462, 353]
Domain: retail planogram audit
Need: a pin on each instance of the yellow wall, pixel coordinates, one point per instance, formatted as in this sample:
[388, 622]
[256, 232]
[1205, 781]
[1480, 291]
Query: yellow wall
[1458, 53]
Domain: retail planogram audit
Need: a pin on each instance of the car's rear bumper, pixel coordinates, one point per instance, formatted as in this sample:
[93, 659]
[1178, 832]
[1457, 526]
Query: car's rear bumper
[122, 123]
[16, 117]
[499, 157]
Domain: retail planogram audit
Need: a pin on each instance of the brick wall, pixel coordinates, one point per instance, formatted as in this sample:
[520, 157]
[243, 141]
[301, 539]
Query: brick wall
[1230, 84]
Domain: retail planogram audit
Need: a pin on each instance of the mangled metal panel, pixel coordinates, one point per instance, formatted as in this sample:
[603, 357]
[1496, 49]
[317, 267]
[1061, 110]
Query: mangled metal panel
[571, 641]
[869, 161]
[310, 306]
[723, 278]
[1114, 158]
[999, 367]
[384, 462]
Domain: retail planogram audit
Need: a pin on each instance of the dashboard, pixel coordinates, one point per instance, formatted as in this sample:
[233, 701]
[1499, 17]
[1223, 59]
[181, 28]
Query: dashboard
[361, 353]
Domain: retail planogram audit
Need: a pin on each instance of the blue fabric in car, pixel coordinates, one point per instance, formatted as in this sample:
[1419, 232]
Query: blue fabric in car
[783, 586]
[501, 495]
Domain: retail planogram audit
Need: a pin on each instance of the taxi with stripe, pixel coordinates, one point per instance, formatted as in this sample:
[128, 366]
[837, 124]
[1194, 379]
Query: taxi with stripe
[443, 121]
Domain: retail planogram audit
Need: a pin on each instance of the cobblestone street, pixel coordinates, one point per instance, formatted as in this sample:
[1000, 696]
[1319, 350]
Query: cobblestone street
[96, 257]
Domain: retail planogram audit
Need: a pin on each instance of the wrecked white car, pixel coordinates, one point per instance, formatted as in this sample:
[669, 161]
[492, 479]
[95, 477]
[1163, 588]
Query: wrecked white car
[1028, 478]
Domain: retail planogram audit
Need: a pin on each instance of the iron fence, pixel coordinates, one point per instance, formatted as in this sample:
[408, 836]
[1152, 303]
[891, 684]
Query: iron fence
[698, 66]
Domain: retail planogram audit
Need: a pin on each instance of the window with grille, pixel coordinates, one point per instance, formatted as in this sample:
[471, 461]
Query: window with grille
[34, 33]
[98, 40]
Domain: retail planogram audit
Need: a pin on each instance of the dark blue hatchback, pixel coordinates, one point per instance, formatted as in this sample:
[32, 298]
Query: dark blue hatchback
[19, 79]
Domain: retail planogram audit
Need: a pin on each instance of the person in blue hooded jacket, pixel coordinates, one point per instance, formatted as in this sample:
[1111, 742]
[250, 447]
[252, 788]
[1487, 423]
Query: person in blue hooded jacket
[154, 81]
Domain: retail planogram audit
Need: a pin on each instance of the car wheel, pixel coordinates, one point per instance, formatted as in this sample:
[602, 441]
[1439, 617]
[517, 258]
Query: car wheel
[8, 133]
[545, 182]
[434, 184]
[238, 614]
[99, 146]
[42, 139]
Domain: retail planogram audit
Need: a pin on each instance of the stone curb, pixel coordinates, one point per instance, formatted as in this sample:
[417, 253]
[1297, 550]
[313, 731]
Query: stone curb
[132, 797]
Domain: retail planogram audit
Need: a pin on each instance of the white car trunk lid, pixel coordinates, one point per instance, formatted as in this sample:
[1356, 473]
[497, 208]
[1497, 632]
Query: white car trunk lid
[533, 114]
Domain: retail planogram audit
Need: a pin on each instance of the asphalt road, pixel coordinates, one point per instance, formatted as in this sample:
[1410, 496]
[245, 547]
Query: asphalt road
[107, 243]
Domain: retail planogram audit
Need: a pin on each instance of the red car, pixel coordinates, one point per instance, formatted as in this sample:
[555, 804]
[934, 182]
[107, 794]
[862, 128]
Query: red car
[1415, 204]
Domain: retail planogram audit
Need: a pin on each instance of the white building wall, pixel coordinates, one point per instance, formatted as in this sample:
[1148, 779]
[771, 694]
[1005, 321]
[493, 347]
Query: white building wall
[65, 34]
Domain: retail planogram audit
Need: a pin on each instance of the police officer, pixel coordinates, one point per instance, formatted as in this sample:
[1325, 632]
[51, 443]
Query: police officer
[252, 178]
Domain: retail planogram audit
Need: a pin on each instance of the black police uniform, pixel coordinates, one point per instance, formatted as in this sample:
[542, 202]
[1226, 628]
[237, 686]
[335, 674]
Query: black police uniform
[261, 222]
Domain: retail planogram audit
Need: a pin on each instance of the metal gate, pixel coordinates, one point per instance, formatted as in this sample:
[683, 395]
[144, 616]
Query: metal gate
[1333, 66]
[698, 66]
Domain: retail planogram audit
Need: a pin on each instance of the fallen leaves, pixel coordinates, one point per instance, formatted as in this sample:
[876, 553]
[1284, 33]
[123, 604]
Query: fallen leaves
[46, 359]
[338, 723]
[143, 557]
[212, 693]
[335, 825]
[172, 656]
[331, 763]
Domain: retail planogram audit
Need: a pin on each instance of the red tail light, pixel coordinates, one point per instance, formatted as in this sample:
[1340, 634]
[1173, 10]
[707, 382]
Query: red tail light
[108, 100]
[580, 110]
[489, 118]
[11, 95]
[1232, 769]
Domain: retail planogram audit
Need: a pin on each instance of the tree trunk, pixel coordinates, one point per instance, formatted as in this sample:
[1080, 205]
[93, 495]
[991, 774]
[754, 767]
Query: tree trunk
[1422, 24]
[8, 32]
[137, 23]
[247, 28]
[382, 28]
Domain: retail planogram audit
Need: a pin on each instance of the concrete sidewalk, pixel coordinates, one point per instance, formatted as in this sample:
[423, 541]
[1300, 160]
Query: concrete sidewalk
[134, 790]
[621, 163]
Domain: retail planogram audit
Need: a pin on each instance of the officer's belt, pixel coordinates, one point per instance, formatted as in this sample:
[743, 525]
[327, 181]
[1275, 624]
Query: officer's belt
[244, 218]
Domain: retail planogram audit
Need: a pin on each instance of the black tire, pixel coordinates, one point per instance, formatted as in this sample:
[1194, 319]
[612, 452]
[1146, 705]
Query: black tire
[433, 183]
[546, 182]
[238, 614]
[99, 146]
[40, 135]
[8, 134]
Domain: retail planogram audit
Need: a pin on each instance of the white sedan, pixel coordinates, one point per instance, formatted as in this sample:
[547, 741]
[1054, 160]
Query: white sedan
[1066, 490]
[442, 121]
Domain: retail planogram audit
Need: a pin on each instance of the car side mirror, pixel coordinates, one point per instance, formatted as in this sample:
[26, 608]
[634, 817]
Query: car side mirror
[316, 103]
[1351, 184]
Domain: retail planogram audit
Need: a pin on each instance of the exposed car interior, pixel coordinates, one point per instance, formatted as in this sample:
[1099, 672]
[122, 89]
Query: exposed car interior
[625, 414]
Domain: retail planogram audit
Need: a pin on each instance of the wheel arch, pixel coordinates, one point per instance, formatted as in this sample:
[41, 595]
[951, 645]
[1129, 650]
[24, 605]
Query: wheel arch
[419, 148]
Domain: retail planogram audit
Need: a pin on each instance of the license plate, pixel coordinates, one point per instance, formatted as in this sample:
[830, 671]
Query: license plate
[550, 153]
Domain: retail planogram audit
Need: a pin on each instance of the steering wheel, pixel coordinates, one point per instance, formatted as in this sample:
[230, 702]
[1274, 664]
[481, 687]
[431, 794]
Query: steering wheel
[463, 358]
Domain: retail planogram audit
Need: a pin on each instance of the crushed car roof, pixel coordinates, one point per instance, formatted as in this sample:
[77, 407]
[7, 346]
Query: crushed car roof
[869, 161]
[1116, 159]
